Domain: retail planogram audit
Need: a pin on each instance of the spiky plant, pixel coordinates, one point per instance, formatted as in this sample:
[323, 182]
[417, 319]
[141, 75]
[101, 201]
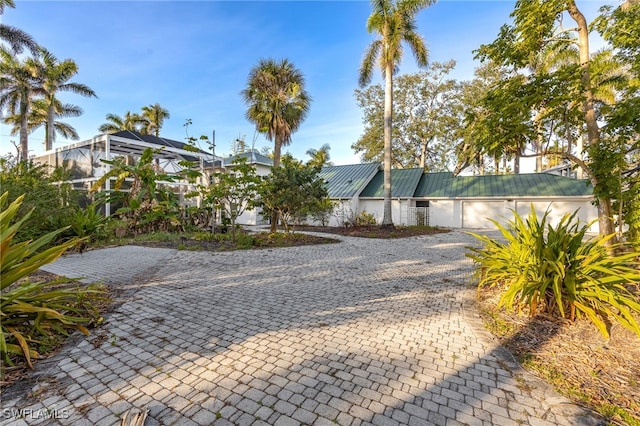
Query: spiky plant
[560, 271]
[32, 311]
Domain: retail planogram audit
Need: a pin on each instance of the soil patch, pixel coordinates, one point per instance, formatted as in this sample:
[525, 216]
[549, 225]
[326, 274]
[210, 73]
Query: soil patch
[243, 241]
[574, 357]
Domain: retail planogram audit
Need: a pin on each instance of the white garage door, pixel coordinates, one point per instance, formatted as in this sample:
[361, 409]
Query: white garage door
[475, 213]
[557, 209]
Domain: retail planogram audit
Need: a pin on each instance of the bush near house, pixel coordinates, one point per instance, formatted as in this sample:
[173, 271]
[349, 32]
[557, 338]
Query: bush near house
[556, 270]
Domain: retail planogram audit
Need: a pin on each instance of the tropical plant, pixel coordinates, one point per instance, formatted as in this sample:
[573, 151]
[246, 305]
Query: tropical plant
[154, 116]
[53, 77]
[591, 82]
[15, 37]
[17, 84]
[558, 271]
[277, 104]
[38, 117]
[87, 223]
[32, 311]
[146, 204]
[395, 22]
[115, 123]
[51, 204]
[235, 191]
[319, 157]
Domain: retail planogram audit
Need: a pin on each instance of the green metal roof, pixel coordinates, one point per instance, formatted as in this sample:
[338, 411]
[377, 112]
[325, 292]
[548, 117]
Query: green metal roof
[522, 185]
[403, 183]
[346, 181]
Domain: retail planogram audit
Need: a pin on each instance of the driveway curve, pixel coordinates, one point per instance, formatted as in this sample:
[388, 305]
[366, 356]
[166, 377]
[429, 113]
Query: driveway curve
[364, 332]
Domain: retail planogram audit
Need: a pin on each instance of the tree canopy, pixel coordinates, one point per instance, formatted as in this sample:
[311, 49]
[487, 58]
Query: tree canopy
[426, 114]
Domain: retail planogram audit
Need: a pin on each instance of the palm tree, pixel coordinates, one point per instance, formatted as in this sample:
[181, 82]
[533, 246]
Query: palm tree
[38, 116]
[277, 104]
[115, 123]
[17, 84]
[319, 157]
[54, 77]
[15, 37]
[154, 116]
[395, 23]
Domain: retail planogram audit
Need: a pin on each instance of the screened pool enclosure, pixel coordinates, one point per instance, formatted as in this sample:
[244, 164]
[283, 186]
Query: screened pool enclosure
[82, 160]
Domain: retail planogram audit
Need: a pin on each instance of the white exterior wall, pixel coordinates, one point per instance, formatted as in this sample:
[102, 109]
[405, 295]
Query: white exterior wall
[473, 213]
[399, 210]
[374, 207]
[251, 217]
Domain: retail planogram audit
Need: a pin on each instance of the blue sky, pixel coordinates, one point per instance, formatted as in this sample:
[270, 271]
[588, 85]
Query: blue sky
[193, 57]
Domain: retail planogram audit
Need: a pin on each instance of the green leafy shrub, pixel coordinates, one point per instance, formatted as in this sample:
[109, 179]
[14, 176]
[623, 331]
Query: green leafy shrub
[557, 270]
[365, 219]
[88, 222]
[32, 313]
[52, 205]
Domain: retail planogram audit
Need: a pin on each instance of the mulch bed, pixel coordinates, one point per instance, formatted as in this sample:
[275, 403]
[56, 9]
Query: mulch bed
[375, 231]
[262, 241]
[574, 357]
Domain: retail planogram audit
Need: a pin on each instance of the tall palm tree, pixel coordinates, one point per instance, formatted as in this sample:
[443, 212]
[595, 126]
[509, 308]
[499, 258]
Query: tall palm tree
[15, 37]
[54, 76]
[38, 116]
[17, 84]
[395, 23]
[277, 104]
[115, 123]
[319, 157]
[154, 116]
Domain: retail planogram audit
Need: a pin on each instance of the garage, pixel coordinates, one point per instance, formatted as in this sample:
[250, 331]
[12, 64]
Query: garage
[476, 212]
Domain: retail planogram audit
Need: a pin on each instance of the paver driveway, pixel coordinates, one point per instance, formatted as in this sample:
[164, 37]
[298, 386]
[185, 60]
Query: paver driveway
[361, 332]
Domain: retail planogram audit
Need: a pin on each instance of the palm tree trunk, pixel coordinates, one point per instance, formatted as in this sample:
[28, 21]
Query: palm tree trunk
[49, 129]
[277, 146]
[388, 115]
[24, 133]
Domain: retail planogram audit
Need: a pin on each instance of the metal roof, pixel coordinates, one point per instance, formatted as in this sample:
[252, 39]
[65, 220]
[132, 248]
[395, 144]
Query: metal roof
[445, 185]
[403, 183]
[253, 157]
[347, 181]
[128, 134]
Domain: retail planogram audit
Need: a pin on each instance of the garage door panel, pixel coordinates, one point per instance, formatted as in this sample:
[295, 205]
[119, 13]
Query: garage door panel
[475, 214]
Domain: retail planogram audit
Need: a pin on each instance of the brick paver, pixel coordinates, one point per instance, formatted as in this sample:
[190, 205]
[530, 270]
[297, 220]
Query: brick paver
[362, 332]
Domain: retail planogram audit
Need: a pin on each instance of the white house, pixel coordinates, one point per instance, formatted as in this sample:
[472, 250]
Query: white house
[441, 199]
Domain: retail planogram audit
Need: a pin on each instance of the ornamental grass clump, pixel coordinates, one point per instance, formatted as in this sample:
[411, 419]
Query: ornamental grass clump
[559, 271]
[32, 314]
